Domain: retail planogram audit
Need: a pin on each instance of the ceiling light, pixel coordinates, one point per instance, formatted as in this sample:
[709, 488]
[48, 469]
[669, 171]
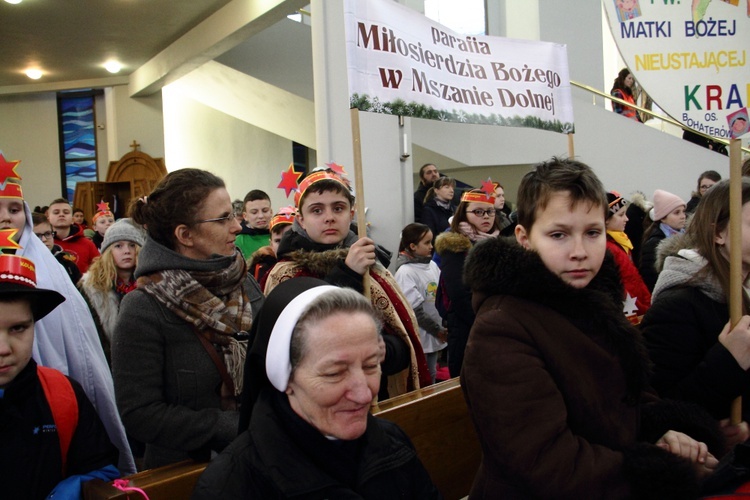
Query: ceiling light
[34, 74]
[113, 66]
[14, 1]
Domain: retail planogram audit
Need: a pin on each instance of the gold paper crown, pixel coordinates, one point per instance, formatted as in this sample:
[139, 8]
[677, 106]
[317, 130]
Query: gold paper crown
[475, 196]
[312, 179]
[11, 190]
[285, 216]
[15, 269]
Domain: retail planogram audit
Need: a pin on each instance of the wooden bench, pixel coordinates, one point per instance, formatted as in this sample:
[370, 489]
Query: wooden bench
[171, 482]
[435, 419]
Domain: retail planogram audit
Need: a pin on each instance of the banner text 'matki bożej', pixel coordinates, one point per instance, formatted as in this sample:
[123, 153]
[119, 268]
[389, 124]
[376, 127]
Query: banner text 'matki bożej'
[399, 62]
[690, 57]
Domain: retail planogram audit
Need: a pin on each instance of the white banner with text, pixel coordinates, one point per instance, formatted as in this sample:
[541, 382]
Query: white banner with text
[402, 63]
[690, 57]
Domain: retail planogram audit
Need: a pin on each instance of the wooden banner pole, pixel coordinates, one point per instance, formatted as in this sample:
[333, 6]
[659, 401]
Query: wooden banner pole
[735, 249]
[359, 188]
[571, 147]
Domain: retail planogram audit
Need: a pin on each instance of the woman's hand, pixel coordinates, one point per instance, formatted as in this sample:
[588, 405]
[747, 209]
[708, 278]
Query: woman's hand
[684, 446]
[737, 341]
[734, 434]
[361, 255]
[442, 335]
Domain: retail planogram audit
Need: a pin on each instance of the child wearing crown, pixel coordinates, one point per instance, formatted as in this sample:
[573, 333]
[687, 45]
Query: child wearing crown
[321, 244]
[51, 436]
[66, 339]
[475, 220]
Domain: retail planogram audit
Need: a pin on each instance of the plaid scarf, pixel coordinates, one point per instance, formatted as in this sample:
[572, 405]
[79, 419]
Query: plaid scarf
[214, 303]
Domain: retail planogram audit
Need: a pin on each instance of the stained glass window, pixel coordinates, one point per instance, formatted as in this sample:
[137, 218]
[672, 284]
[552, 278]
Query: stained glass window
[77, 125]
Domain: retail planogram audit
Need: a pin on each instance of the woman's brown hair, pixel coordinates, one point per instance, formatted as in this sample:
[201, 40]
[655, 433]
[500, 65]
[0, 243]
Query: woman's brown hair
[175, 200]
[460, 215]
[710, 219]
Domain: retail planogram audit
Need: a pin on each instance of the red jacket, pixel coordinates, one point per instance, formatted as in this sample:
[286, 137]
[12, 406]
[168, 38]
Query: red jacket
[621, 108]
[631, 278]
[81, 248]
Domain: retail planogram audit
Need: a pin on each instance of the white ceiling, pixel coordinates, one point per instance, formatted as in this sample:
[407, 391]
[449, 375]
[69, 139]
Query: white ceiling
[71, 39]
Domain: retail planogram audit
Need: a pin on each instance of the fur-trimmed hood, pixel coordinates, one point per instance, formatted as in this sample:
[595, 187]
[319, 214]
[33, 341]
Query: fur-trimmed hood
[680, 265]
[318, 263]
[105, 304]
[452, 242]
[639, 200]
[297, 239]
[669, 247]
[502, 267]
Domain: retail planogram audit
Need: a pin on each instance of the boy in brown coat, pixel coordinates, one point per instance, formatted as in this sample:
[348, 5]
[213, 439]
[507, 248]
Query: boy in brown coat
[555, 377]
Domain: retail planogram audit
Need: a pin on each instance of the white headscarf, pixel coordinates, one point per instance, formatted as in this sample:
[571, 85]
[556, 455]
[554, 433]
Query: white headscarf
[278, 364]
[66, 339]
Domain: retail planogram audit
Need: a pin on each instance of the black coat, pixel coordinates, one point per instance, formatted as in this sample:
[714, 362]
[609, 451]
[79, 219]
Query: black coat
[634, 228]
[453, 248]
[281, 456]
[647, 266]
[681, 331]
[436, 217]
[419, 195]
[30, 462]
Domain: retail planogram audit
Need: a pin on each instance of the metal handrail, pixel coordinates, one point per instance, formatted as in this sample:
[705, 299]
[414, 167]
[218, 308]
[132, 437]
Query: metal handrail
[650, 113]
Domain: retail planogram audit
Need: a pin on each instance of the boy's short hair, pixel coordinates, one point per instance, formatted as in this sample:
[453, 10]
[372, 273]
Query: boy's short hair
[254, 195]
[59, 200]
[37, 218]
[77, 210]
[553, 176]
[327, 185]
[279, 228]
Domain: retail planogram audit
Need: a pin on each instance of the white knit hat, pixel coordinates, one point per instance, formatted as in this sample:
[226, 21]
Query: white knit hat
[664, 203]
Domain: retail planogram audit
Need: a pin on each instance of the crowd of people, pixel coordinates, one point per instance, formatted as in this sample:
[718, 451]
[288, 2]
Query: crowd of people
[591, 334]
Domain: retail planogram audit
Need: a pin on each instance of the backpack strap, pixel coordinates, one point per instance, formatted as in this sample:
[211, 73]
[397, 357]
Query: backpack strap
[64, 407]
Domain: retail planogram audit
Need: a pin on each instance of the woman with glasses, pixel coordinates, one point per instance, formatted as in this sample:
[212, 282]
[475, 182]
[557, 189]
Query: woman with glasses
[475, 220]
[179, 345]
[705, 181]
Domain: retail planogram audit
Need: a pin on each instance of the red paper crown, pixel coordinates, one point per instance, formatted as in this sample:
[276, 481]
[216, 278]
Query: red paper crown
[11, 190]
[316, 177]
[8, 169]
[477, 197]
[285, 216]
[103, 209]
[15, 269]
[289, 180]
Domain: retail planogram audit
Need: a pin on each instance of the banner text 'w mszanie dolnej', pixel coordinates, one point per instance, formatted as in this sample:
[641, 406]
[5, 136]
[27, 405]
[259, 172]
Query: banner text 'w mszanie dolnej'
[399, 62]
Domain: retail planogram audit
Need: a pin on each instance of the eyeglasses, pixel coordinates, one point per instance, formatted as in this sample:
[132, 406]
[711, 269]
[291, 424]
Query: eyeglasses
[704, 187]
[46, 235]
[481, 213]
[223, 220]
